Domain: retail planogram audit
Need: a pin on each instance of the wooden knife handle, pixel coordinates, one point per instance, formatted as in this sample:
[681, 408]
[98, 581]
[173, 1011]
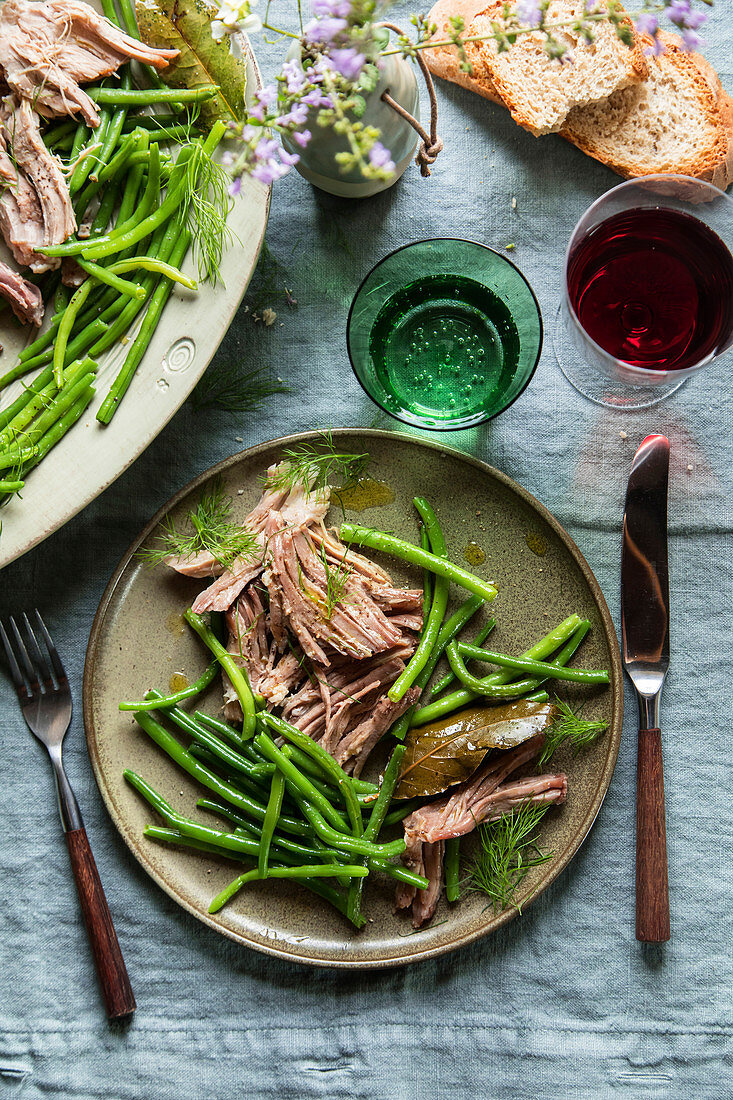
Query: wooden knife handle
[117, 992]
[652, 889]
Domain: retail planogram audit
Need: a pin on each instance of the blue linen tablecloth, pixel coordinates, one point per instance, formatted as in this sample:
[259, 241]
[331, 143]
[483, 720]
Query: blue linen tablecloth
[562, 1002]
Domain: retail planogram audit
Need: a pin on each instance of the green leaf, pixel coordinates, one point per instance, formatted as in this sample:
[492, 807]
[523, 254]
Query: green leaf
[185, 25]
[445, 753]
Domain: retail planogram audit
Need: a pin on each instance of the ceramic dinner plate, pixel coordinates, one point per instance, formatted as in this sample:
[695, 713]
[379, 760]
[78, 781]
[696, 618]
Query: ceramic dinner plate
[139, 641]
[191, 328]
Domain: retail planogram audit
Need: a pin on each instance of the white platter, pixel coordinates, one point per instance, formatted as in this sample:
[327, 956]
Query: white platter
[192, 326]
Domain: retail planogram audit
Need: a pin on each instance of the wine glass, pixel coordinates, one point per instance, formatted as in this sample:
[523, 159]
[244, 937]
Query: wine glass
[648, 290]
[444, 334]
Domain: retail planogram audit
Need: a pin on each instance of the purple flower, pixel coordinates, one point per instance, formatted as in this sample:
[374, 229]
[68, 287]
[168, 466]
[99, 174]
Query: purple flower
[379, 157]
[257, 111]
[267, 95]
[349, 62]
[293, 76]
[696, 19]
[301, 137]
[528, 12]
[316, 98]
[289, 158]
[646, 23]
[296, 116]
[678, 11]
[324, 30]
[338, 9]
[235, 187]
[691, 39]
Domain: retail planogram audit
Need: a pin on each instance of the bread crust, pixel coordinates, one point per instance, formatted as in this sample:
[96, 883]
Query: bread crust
[714, 163]
[495, 72]
[445, 61]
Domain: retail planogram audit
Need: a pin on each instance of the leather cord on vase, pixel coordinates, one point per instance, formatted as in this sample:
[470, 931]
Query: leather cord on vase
[430, 143]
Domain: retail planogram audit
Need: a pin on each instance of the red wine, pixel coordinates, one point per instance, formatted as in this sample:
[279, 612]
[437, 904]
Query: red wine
[654, 288]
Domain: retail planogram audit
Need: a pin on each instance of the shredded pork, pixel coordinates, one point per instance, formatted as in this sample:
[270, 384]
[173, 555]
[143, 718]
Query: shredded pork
[24, 298]
[49, 47]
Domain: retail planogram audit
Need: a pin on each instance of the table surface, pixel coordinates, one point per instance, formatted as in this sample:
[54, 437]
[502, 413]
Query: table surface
[562, 1002]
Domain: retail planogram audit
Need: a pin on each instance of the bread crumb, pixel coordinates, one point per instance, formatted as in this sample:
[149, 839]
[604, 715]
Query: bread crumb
[624, 435]
[690, 468]
[514, 202]
[238, 439]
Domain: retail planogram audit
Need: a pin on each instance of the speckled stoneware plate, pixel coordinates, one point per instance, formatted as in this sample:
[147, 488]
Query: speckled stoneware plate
[139, 641]
[191, 328]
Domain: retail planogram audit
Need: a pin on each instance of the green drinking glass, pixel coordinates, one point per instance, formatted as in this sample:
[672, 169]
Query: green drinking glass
[444, 334]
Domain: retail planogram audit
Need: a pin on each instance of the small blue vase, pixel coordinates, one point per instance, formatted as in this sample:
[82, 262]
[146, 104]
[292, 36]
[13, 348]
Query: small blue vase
[318, 162]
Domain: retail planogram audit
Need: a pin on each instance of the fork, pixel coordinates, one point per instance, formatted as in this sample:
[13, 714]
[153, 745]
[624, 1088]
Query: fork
[45, 700]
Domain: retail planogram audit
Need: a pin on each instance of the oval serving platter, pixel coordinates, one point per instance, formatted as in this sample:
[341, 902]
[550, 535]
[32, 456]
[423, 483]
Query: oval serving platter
[139, 640]
[193, 324]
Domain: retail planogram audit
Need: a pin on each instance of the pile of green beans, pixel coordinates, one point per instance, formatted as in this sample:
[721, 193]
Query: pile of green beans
[289, 808]
[132, 197]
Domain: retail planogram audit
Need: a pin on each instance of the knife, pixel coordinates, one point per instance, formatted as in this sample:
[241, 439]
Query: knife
[645, 634]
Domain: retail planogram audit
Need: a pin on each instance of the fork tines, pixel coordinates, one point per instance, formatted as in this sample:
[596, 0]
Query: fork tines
[38, 675]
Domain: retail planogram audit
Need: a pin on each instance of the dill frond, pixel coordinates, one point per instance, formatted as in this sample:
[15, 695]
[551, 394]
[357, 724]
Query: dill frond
[569, 726]
[317, 465]
[337, 581]
[208, 205]
[508, 852]
[226, 387]
[210, 530]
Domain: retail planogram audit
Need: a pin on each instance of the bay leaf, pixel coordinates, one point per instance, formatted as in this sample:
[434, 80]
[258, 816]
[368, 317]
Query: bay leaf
[185, 25]
[449, 751]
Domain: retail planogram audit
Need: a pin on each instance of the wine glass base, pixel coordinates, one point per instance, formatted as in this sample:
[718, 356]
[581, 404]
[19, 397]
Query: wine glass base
[597, 387]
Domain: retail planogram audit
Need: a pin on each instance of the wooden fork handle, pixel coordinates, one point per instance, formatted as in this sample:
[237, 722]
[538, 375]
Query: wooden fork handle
[117, 992]
[652, 890]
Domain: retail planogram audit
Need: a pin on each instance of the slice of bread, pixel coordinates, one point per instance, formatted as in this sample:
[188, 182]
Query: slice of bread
[445, 61]
[679, 120]
[540, 92]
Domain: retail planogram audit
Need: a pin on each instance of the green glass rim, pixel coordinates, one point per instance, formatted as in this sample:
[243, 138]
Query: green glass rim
[414, 422]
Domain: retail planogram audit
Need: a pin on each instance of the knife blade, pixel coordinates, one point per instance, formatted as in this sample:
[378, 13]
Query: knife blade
[645, 643]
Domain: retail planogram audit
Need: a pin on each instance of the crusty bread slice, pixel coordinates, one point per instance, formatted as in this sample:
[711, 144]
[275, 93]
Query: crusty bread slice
[539, 92]
[679, 120]
[445, 61]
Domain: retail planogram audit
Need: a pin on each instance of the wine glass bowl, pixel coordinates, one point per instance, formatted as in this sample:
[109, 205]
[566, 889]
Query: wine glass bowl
[648, 290]
[444, 334]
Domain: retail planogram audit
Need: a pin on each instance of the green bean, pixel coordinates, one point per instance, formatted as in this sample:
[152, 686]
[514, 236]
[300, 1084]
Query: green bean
[9, 414]
[108, 276]
[64, 332]
[38, 399]
[86, 160]
[61, 130]
[427, 579]
[151, 263]
[61, 298]
[79, 377]
[236, 675]
[106, 209]
[407, 551]
[329, 835]
[76, 347]
[432, 627]
[230, 756]
[303, 784]
[536, 668]
[399, 814]
[114, 130]
[328, 765]
[138, 227]
[308, 871]
[452, 868]
[449, 677]
[162, 701]
[121, 384]
[59, 429]
[134, 179]
[537, 697]
[272, 813]
[450, 628]
[11, 486]
[207, 778]
[147, 97]
[283, 843]
[571, 631]
[150, 122]
[376, 819]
